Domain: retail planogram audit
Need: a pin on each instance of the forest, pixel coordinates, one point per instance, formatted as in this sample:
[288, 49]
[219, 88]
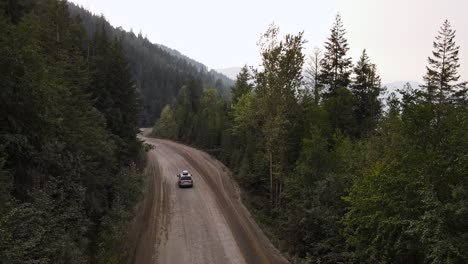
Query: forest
[159, 72]
[331, 171]
[74, 92]
[71, 167]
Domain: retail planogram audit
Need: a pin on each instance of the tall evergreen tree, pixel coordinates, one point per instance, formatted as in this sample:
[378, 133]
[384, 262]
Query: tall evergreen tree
[442, 71]
[366, 88]
[335, 65]
[242, 85]
[114, 91]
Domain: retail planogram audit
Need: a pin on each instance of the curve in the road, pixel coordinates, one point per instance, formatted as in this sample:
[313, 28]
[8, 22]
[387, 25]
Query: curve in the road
[205, 224]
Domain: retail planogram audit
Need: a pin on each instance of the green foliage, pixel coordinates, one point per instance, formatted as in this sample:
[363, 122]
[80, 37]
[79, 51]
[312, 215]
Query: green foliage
[197, 117]
[159, 72]
[68, 127]
[333, 180]
[46, 230]
[245, 142]
[166, 127]
[276, 87]
[210, 120]
[314, 194]
[6, 185]
[128, 191]
[340, 111]
[406, 206]
[242, 85]
[315, 158]
[245, 116]
[14, 10]
[442, 72]
[383, 205]
[366, 89]
[183, 114]
[335, 66]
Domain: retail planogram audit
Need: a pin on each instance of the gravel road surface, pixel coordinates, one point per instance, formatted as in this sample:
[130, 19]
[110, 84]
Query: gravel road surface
[204, 224]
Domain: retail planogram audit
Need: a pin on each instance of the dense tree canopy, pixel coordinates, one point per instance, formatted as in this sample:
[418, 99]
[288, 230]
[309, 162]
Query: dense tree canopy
[159, 72]
[334, 178]
[329, 175]
[68, 149]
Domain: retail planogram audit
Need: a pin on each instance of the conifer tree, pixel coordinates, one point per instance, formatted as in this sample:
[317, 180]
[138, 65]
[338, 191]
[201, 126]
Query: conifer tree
[335, 65]
[366, 89]
[242, 85]
[442, 71]
[122, 89]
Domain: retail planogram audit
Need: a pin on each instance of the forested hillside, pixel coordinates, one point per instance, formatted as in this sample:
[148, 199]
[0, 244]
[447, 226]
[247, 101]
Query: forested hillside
[70, 163]
[330, 176]
[159, 72]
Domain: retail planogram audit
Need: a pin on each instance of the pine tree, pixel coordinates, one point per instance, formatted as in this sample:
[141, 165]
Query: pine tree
[336, 67]
[242, 85]
[366, 89]
[442, 71]
[123, 92]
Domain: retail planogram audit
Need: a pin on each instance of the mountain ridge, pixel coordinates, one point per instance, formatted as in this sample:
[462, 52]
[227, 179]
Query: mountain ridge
[159, 72]
[230, 72]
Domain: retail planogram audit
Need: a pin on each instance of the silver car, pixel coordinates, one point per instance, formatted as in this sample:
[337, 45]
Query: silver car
[185, 179]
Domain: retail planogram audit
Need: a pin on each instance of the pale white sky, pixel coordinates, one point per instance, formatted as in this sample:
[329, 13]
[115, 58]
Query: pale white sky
[397, 34]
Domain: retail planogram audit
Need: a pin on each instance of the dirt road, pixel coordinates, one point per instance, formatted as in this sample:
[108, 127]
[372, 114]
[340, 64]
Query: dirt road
[204, 224]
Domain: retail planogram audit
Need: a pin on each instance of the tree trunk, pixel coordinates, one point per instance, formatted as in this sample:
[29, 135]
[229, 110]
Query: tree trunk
[58, 34]
[279, 192]
[316, 87]
[271, 177]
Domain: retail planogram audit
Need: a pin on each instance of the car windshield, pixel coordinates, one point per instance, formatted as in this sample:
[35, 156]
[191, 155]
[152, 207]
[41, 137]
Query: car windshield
[185, 178]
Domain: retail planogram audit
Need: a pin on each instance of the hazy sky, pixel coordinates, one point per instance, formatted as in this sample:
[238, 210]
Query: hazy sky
[397, 34]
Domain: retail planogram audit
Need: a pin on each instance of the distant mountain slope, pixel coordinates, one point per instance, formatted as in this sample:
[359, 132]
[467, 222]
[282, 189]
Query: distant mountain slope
[159, 72]
[230, 72]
